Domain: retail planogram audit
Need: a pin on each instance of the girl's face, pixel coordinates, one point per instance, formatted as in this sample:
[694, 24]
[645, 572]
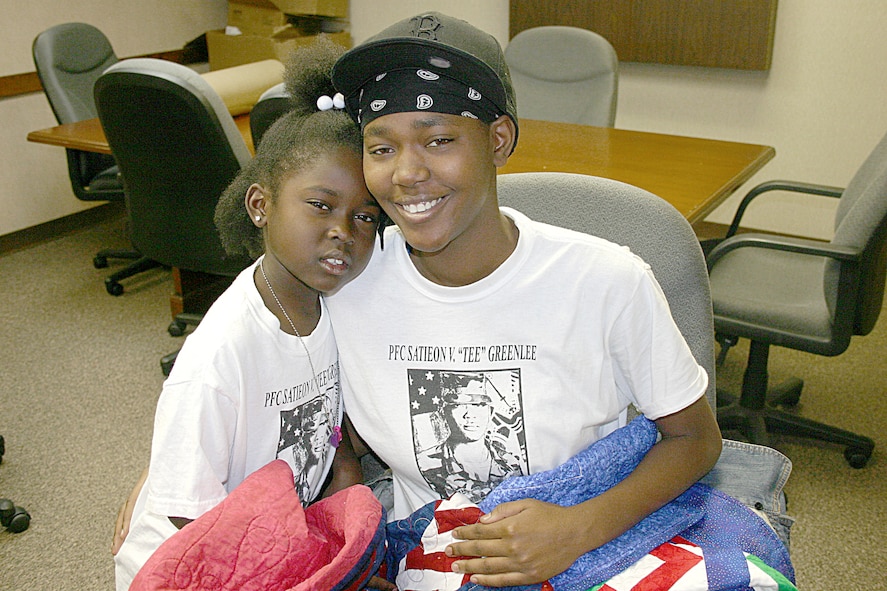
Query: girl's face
[322, 226]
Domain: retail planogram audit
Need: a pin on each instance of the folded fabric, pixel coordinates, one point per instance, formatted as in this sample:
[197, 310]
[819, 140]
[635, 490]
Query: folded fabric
[261, 538]
[680, 565]
[714, 521]
[676, 565]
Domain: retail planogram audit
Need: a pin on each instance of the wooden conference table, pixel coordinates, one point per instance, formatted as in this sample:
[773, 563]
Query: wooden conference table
[695, 175]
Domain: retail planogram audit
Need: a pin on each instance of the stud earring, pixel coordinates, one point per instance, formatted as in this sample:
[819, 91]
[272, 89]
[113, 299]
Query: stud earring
[258, 218]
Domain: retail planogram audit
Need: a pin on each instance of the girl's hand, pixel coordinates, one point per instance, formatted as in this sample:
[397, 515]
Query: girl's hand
[124, 515]
[381, 584]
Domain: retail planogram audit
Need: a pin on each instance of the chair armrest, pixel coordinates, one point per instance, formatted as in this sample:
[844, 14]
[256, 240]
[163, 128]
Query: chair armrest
[792, 186]
[784, 243]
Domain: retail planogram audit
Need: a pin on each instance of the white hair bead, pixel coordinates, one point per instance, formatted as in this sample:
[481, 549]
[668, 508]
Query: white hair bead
[324, 103]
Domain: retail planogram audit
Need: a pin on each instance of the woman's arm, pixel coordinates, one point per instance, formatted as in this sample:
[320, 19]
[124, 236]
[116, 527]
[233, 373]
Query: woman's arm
[528, 541]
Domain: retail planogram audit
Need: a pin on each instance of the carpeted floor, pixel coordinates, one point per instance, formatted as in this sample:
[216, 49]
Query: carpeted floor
[80, 378]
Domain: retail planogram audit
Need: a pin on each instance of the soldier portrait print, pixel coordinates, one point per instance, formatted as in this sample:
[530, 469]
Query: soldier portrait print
[468, 431]
[304, 440]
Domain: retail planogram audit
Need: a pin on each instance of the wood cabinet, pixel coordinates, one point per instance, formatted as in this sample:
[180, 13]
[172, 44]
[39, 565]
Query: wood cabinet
[714, 33]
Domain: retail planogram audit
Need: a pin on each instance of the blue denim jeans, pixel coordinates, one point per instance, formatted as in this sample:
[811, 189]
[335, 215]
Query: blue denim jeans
[755, 475]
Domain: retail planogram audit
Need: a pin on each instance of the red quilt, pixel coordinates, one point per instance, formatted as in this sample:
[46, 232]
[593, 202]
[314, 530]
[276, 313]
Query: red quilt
[260, 537]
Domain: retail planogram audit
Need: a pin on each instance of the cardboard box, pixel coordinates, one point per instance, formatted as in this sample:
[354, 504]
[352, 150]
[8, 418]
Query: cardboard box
[332, 8]
[253, 19]
[226, 51]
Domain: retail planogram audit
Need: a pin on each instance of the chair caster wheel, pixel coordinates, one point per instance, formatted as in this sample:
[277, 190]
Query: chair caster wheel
[176, 328]
[113, 288]
[791, 400]
[857, 457]
[14, 519]
[788, 393]
[99, 262]
[166, 363]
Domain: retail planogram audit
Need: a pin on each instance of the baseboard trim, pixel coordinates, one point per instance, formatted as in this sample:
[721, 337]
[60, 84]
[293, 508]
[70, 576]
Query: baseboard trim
[59, 227]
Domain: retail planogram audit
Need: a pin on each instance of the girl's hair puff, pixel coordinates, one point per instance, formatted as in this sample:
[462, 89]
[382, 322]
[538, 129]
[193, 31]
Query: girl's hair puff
[307, 74]
[293, 142]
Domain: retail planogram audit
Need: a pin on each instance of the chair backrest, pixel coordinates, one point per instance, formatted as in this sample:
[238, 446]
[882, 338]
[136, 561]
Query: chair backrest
[632, 217]
[69, 58]
[273, 103]
[861, 222]
[564, 74]
[178, 148]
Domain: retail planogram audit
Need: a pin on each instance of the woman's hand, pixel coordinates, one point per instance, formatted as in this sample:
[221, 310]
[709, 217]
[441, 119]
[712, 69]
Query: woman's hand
[518, 543]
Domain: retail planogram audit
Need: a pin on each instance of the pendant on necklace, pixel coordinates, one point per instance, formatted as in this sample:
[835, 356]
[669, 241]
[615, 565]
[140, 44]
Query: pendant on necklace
[336, 436]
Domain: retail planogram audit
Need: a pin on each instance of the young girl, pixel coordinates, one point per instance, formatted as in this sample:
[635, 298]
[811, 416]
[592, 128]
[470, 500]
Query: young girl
[259, 378]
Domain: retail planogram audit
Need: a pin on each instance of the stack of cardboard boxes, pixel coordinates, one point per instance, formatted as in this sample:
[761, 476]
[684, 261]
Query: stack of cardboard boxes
[270, 29]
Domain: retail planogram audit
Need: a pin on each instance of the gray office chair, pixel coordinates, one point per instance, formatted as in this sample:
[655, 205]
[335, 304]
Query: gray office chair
[69, 58]
[178, 148]
[564, 74]
[272, 104]
[802, 294]
[659, 234]
[627, 215]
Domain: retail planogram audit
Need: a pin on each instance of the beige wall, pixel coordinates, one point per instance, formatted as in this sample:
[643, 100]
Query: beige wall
[34, 185]
[822, 105]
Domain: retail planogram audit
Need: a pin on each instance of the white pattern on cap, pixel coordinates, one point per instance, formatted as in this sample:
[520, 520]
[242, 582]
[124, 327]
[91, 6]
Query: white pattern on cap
[423, 101]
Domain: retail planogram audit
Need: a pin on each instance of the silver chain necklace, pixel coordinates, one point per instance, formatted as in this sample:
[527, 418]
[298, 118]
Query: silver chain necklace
[336, 434]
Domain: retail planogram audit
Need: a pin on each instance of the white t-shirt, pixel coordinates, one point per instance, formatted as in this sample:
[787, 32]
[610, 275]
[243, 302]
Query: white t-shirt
[240, 395]
[556, 343]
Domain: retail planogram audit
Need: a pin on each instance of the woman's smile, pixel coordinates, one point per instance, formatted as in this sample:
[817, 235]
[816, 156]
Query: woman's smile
[421, 206]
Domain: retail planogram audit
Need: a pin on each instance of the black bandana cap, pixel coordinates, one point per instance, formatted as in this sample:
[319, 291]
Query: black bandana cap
[458, 52]
[422, 90]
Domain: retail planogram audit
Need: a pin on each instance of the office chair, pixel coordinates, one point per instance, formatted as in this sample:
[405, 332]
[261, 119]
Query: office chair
[273, 103]
[178, 149]
[661, 236]
[69, 58]
[803, 294]
[564, 74]
[627, 215]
